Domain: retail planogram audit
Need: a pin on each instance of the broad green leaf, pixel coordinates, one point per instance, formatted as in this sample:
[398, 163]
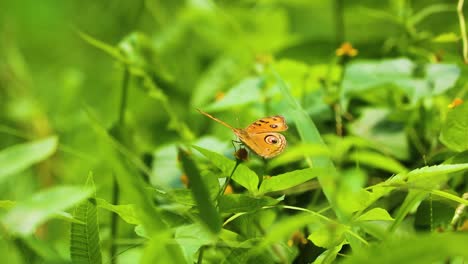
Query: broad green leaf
[236, 203]
[191, 238]
[207, 212]
[375, 214]
[125, 211]
[454, 132]
[375, 126]
[377, 160]
[442, 77]
[423, 248]
[247, 91]
[360, 76]
[291, 179]
[328, 235]
[19, 157]
[243, 175]
[84, 238]
[27, 215]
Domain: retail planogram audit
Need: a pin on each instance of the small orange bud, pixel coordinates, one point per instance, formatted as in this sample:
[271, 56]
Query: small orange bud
[219, 96]
[346, 49]
[456, 102]
[185, 180]
[228, 190]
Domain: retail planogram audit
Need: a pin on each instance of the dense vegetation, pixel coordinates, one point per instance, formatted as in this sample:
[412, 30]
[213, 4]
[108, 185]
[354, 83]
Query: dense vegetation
[104, 157]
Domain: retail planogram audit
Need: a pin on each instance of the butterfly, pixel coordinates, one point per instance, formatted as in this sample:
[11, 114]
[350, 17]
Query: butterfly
[261, 136]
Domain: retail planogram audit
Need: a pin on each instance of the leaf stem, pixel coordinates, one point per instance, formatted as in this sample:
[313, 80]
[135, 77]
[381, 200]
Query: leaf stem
[461, 19]
[115, 185]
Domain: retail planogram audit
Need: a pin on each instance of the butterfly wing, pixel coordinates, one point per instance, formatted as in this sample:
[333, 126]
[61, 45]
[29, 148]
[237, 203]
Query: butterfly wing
[267, 145]
[267, 124]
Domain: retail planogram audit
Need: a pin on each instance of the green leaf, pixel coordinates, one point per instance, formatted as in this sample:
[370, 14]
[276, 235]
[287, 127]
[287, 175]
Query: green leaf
[191, 238]
[446, 38]
[247, 91]
[27, 215]
[328, 235]
[243, 175]
[377, 160]
[442, 77]
[19, 157]
[329, 255]
[375, 126]
[362, 75]
[454, 132]
[84, 238]
[207, 212]
[375, 214]
[237, 203]
[423, 248]
[125, 211]
[290, 179]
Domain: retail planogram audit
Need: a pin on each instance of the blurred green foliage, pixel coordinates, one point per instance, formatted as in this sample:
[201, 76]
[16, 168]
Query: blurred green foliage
[374, 94]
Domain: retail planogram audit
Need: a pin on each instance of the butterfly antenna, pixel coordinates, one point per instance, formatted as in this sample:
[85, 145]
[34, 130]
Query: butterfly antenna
[216, 119]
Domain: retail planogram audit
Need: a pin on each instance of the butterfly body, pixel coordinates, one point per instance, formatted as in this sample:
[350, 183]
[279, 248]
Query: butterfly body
[262, 136]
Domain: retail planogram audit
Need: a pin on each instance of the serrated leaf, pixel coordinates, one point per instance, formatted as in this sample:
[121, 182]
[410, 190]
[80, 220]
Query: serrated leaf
[291, 179]
[85, 245]
[27, 215]
[375, 214]
[19, 157]
[423, 248]
[207, 212]
[243, 175]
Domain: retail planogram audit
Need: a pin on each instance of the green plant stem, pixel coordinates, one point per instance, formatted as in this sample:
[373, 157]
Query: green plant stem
[461, 19]
[115, 188]
[226, 183]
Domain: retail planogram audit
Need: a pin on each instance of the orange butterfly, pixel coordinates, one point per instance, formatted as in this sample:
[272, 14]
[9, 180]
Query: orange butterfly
[261, 136]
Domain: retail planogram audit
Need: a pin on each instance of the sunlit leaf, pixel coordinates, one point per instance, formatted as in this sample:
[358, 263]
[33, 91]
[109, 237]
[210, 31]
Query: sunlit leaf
[291, 179]
[27, 215]
[414, 249]
[19, 157]
[375, 214]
